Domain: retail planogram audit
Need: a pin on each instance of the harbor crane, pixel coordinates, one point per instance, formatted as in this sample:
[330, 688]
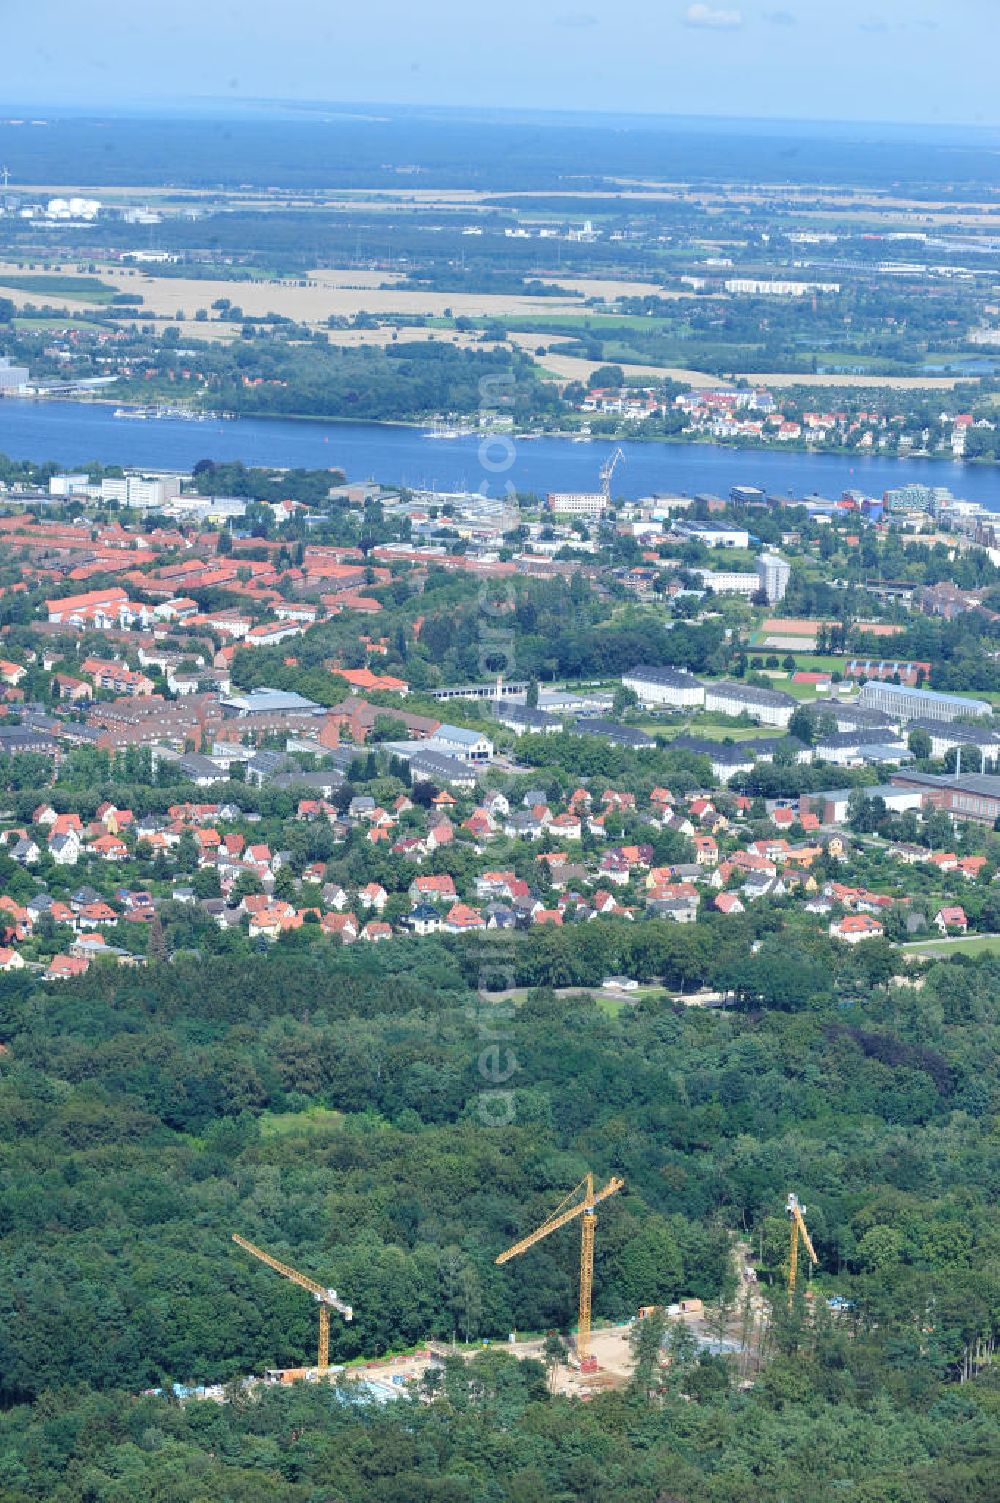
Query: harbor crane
[607, 471]
[798, 1229]
[564, 1213]
[327, 1299]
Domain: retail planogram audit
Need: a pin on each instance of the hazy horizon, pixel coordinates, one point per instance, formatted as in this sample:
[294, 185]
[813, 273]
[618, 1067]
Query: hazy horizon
[925, 62]
[218, 107]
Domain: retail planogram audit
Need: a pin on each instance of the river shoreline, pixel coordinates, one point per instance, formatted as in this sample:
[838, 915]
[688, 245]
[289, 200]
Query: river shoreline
[72, 433]
[526, 435]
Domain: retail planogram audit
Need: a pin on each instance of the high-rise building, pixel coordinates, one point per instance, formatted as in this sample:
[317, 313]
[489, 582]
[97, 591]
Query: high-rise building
[12, 377]
[774, 574]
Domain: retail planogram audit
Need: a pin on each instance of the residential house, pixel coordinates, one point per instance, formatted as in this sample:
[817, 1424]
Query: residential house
[461, 919]
[424, 919]
[66, 967]
[433, 889]
[342, 926]
[373, 895]
[375, 931]
[855, 927]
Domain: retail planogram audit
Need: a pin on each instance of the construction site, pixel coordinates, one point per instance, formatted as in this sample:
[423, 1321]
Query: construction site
[598, 1358]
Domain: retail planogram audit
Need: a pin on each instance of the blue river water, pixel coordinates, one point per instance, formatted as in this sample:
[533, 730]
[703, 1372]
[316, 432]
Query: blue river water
[73, 433]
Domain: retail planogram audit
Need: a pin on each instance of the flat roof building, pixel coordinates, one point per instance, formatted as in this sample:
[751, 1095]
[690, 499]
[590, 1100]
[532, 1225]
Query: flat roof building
[578, 503]
[268, 702]
[968, 795]
[12, 377]
[713, 534]
[830, 805]
[908, 704]
[773, 572]
[728, 581]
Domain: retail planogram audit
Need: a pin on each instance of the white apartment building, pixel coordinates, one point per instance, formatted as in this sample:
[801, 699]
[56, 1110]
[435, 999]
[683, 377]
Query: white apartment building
[578, 503]
[773, 574]
[140, 493]
[727, 581]
[69, 485]
[671, 687]
[768, 706]
[760, 288]
[13, 378]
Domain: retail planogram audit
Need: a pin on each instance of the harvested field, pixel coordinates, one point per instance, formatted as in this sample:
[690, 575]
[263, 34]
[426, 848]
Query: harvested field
[900, 383]
[326, 294]
[576, 368]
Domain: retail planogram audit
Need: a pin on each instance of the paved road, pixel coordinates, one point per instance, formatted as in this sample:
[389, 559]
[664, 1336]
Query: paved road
[690, 999]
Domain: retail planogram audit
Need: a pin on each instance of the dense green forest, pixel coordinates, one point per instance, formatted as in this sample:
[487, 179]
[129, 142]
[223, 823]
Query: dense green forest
[333, 1106]
[395, 383]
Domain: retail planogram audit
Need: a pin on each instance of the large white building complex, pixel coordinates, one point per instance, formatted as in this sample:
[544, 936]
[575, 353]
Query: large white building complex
[727, 581]
[578, 503]
[909, 704]
[13, 378]
[768, 706]
[670, 687]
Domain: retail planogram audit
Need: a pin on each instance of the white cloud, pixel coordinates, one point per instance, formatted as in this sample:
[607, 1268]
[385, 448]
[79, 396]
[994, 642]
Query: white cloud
[713, 19]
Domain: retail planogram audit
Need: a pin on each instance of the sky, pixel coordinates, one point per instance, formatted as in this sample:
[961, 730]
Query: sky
[925, 61]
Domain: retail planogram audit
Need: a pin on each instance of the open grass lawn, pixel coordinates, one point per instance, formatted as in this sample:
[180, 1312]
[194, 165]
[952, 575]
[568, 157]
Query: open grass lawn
[707, 726]
[730, 559]
[973, 944]
[804, 692]
[611, 1006]
[809, 662]
[317, 1119]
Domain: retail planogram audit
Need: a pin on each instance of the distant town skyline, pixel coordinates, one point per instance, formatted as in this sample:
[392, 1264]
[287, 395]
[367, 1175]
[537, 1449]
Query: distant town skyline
[882, 61]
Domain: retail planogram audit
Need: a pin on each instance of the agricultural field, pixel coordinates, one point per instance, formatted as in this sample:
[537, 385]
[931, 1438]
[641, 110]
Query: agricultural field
[77, 288]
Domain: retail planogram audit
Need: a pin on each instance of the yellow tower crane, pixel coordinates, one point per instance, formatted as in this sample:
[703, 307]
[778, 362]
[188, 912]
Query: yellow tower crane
[563, 1213]
[327, 1299]
[798, 1229]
